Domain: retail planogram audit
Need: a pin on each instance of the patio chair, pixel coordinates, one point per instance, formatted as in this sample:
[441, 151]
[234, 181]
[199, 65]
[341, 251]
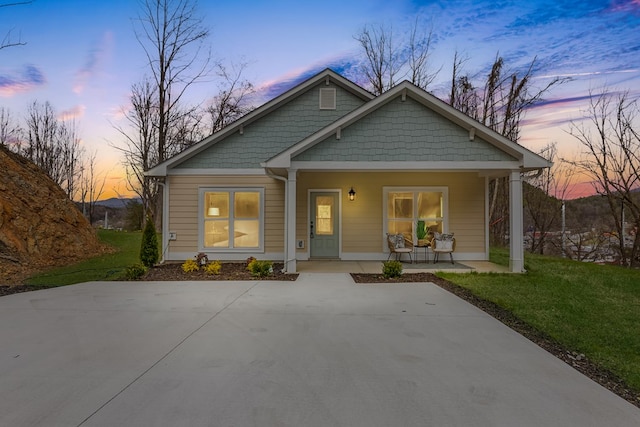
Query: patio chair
[443, 243]
[398, 244]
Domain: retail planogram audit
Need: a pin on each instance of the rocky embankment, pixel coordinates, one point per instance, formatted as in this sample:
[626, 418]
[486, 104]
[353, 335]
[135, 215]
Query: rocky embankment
[39, 226]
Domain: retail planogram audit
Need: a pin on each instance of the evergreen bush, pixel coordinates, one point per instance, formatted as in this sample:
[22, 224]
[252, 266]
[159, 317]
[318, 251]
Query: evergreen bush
[149, 253]
[135, 272]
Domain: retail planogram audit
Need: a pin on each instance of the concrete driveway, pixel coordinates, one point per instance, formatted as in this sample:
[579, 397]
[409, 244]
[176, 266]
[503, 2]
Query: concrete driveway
[321, 351]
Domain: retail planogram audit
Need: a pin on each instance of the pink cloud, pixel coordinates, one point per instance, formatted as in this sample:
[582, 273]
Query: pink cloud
[630, 6]
[24, 80]
[72, 113]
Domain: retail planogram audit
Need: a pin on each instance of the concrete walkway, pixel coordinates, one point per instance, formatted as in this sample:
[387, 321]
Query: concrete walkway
[375, 267]
[321, 351]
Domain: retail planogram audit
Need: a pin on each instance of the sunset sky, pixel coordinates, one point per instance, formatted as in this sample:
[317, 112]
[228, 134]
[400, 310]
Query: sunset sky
[82, 56]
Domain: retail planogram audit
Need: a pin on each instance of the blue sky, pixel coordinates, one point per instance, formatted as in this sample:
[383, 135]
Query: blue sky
[82, 56]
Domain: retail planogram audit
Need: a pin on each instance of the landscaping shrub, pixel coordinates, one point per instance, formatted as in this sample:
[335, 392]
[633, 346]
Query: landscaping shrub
[149, 253]
[260, 268]
[391, 269]
[190, 265]
[213, 267]
[135, 272]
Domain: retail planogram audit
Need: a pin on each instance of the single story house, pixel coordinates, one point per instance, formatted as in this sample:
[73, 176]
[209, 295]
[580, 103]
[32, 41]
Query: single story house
[326, 169]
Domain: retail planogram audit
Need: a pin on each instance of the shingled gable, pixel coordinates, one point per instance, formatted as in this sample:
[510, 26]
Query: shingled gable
[327, 76]
[519, 157]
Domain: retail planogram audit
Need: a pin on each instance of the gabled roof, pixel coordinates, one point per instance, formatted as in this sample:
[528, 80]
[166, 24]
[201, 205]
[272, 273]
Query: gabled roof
[325, 75]
[526, 159]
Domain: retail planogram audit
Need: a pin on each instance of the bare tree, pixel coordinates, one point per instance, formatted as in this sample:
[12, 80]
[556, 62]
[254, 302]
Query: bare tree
[139, 149]
[91, 186]
[587, 245]
[420, 73]
[544, 196]
[231, 102]
[389, 57]
[501, 98]
[172, 35]
[381, 66]
[10, 131]
[464, 95]
[53, 145]
[500, 104]
[611, 139]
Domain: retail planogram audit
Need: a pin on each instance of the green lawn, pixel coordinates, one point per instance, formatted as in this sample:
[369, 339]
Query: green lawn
[106, 267]
[588, 308]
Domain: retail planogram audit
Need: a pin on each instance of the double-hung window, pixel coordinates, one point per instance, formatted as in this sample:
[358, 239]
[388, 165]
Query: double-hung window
[232, 219]
[405, 206]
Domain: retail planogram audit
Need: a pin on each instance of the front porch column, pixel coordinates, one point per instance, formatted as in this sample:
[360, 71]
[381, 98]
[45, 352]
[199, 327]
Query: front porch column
[516, 240]
[290, 222]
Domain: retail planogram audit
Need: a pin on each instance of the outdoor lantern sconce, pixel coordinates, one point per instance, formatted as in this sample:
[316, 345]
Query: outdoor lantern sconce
[352, 194]
[214, 212]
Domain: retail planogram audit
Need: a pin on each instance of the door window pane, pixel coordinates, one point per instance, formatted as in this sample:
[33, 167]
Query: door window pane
[324, 215]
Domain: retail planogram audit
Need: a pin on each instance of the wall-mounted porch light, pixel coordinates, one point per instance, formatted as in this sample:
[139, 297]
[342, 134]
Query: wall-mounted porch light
[352, 194]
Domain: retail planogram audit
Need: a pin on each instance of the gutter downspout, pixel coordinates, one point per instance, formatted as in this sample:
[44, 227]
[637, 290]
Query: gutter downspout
[286, 217]
[165, 218]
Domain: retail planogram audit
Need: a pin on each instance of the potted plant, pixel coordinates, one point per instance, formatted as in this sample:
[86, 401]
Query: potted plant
[421, 233]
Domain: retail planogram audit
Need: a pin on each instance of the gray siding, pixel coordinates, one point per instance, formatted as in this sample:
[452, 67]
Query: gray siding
[275, 132]
[403, 131]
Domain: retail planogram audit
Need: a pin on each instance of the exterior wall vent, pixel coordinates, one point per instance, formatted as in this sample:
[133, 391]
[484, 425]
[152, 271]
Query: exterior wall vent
[327, 98]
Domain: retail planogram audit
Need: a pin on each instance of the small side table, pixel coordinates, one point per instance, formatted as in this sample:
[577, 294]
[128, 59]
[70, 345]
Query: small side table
[416, 250]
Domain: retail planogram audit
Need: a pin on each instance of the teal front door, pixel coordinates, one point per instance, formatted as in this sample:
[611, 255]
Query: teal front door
[324, 228]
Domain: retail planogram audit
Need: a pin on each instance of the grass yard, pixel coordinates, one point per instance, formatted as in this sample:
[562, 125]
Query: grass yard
[106, 267]
[592, 309]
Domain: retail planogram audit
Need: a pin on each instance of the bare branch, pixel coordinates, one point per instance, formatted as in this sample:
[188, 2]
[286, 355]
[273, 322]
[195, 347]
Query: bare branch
[7, 40]
[611, 144]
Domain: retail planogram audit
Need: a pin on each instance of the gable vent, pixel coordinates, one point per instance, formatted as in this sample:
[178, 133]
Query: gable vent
[327, 98]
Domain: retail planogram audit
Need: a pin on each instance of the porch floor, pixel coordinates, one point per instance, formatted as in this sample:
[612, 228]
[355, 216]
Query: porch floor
[375, 267]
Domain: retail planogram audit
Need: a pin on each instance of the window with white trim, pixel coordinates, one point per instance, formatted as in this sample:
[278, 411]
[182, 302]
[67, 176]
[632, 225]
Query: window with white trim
[232, 218]
[405, 206]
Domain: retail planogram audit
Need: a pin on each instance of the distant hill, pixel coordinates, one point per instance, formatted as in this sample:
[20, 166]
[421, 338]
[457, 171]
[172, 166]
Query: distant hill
[117, 203]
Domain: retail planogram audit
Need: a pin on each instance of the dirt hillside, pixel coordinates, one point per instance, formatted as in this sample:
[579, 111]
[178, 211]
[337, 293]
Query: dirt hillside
[39, 226]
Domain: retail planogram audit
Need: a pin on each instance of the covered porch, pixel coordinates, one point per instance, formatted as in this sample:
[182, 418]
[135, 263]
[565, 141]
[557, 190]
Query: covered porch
[375, 267]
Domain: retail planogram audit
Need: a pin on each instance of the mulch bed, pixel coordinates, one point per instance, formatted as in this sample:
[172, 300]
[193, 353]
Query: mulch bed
[578, 361]
[229, 271]
[17, 289]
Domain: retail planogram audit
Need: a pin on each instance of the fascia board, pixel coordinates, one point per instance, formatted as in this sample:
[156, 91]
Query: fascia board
[410, 166]
[215, 171]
